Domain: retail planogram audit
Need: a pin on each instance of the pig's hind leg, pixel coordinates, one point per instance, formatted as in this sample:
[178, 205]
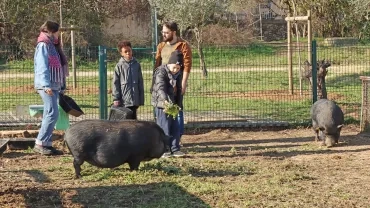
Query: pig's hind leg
[322, 137]
[316, 130]
[317, 137]
[77, 165]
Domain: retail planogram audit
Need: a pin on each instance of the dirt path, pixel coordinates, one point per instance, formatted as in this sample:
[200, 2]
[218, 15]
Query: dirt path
[283, 168]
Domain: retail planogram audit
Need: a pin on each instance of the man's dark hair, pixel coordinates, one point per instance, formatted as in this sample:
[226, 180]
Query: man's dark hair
[122, 44]
[49, 27]
[171, 25]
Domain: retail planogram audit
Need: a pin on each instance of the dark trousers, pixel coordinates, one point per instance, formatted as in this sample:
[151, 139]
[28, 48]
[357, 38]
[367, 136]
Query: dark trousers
[180, 120]
[170, 127]
[134, 110]
[179, 100]
[180, 117]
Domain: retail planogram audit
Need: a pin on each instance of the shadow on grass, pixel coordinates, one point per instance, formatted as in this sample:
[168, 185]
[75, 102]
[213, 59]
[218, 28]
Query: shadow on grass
[299, 146]
[356, 140]
[286, 154]
[164, 194]
[348, 80]
[210, 148]
[38, 175]
[196, 131]
[197, 171]
[252, 142]
[14, 154]
[350, 141]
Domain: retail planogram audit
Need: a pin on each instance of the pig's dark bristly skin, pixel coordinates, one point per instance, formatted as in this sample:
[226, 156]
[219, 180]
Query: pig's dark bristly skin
[327, 121]
[108, 144]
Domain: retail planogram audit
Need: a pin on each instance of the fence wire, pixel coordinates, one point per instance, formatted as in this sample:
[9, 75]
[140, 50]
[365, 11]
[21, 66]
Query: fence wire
[246, 85]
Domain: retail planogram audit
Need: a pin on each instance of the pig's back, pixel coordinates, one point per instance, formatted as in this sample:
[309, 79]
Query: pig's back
[326, 113]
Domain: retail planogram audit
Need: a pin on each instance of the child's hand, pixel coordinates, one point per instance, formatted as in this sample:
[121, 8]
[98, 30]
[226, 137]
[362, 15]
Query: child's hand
[166, 103]
[116, 103]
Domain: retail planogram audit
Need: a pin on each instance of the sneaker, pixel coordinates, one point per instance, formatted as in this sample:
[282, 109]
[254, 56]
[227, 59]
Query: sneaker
[178, 154]
[55, 151]
[166, 155]
[42, 150]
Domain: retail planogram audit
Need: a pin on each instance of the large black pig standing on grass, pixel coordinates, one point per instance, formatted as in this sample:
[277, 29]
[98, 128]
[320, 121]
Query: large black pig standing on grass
[108, 144]
[327, 121]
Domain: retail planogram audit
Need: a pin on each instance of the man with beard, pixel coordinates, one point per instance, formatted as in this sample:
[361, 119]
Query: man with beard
[172, 42]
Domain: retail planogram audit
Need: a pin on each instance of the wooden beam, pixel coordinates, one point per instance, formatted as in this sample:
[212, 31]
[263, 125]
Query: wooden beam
[73, 58]
[69, 28]
[303, 18]
[309, 36]
[290, 62]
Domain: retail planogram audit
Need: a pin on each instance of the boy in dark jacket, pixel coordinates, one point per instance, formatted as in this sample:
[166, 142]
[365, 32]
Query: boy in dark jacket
[164, 90]
[128, 85]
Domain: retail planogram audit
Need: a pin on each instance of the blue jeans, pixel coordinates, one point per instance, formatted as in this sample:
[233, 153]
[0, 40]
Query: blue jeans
[49, 118]
[170, 127]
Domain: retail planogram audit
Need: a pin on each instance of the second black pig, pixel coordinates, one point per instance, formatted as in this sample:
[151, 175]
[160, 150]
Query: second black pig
[327, 121]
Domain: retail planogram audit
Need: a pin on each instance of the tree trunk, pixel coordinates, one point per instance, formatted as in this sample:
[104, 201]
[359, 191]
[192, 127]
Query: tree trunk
[236, 22]
[203, 67]
[201, 60]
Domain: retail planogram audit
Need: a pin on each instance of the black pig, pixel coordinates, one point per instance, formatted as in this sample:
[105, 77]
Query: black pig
[108, 144]
[327, 120]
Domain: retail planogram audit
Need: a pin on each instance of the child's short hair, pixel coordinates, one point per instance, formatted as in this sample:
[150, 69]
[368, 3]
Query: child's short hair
[122, 44]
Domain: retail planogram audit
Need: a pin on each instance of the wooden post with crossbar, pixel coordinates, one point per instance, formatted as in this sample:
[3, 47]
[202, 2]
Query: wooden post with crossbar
[309, 35]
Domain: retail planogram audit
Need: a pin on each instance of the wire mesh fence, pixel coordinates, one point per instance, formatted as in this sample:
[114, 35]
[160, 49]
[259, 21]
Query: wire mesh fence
[343, 81]
[246, 85]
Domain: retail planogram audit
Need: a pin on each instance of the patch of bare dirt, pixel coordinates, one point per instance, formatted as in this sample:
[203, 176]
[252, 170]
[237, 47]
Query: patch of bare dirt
[83, 90]
[26, 133]
[272, 95]
[266, 94]
[28, 179]
[18, 89]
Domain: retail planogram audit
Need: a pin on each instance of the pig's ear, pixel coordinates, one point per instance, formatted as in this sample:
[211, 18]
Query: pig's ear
[340, 126]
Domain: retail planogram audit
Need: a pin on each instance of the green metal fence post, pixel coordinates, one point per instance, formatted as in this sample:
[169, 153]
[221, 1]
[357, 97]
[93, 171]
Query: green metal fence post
[314, 72]
[154, 34]
[103, 106]
[154, 42]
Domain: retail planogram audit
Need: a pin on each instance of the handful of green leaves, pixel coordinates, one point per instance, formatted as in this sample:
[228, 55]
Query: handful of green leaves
[171, 109]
